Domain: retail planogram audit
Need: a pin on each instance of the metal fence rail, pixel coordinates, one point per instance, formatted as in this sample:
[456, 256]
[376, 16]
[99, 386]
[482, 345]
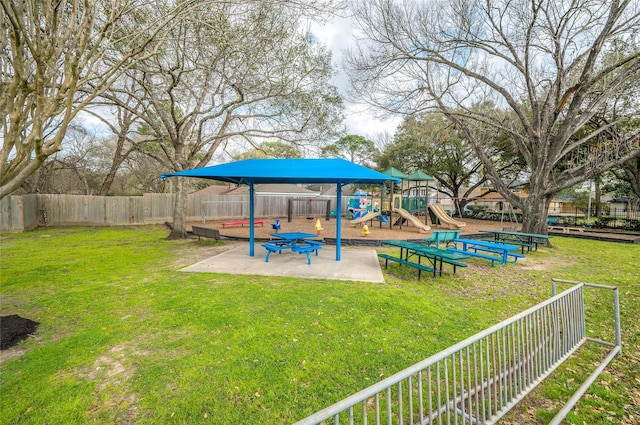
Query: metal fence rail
[481, 378]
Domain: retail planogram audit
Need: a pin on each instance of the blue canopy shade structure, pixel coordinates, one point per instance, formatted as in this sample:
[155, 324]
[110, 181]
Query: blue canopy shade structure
[259, 171]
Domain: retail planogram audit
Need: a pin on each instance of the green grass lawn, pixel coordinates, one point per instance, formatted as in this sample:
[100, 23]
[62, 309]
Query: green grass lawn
[124, 337]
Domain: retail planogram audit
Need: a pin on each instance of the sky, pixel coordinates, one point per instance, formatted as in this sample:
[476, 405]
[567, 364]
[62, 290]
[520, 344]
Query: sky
[337, 35]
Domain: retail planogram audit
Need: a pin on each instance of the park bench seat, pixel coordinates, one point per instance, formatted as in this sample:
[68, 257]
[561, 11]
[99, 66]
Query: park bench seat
[444, 237]
[417, 266]
[205, 232]
[565, 229]
[240, 223]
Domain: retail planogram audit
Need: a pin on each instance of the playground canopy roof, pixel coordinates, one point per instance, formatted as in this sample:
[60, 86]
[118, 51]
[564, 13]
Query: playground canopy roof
[394, 172]
[334, 170]
[420, 176]
[255, 171]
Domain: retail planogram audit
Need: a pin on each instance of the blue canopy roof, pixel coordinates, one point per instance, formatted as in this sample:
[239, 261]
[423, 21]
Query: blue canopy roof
[306, 170]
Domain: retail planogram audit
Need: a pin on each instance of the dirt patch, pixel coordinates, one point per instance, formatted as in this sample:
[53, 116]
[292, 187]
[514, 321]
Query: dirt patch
[111, 371]
[109, 368]
[193, 251]
[542, 264]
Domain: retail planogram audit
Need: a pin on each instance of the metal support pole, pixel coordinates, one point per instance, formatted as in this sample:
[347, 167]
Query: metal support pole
[251, 218]
[338, 219]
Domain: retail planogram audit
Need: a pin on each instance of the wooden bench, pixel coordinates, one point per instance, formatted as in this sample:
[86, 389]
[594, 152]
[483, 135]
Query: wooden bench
[240, 223]
[205, 232]
[420, 267]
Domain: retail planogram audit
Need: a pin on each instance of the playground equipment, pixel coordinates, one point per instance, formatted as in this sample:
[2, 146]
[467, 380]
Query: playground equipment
[276, 226]
[513, 218]
[444, 219]
[358, 206]
[368, 216]
[365, 230]
[413, 220]
[305, 206]
[318, 227]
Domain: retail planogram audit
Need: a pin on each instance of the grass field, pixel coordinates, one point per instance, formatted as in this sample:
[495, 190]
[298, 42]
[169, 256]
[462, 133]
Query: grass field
[124, 337]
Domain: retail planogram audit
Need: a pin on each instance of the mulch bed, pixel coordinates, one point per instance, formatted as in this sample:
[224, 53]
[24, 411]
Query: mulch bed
[14, 329]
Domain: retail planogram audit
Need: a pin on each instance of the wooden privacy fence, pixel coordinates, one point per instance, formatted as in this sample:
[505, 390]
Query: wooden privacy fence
[23, 213]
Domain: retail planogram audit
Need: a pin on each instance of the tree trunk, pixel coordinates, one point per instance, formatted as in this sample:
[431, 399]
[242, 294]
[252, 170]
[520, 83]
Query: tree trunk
[179, 230]
[535, 210]
[598, 198]
[463, 203]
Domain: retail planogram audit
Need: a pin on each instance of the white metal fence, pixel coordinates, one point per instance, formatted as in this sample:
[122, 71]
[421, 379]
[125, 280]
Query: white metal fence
[481, 378]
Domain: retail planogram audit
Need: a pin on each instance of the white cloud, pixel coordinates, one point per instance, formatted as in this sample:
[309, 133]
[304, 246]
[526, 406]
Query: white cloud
[338, 36]
[361, 121]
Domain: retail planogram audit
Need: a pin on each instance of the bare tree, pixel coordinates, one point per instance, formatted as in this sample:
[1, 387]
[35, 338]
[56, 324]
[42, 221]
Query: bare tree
[230, 71]
[542, 60]
[55, 58]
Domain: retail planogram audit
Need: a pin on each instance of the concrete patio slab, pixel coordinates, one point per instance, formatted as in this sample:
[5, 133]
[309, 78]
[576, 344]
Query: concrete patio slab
[359, 264]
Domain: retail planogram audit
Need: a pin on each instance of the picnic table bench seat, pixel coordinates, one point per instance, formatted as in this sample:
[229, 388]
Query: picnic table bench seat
[419, 267]
[454, 263]
[307, 248]
[302, 248]
[486, 254]
[270, 247]
[521, 244]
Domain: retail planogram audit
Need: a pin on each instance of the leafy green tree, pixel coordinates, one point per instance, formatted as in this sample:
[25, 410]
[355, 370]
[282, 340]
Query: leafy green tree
[354, 148]
[429, 142]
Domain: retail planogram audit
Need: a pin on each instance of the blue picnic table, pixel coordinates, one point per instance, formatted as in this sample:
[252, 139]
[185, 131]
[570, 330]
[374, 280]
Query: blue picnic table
[295, 241]
[494, 252]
